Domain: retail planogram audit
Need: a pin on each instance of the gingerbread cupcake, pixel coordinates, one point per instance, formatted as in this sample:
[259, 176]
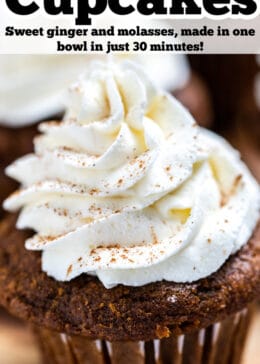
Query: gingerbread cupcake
[146, 246]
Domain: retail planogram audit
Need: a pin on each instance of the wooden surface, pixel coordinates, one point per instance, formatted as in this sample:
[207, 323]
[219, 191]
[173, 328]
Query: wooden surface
[17, 345]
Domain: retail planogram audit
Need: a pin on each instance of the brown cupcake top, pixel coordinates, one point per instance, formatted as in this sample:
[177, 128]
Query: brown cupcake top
[84, 307]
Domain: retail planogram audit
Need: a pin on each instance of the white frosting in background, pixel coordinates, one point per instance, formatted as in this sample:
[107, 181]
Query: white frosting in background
[127, 187]
[32, 86]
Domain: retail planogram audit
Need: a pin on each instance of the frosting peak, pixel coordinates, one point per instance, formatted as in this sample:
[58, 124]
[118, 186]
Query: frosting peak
[129, 188]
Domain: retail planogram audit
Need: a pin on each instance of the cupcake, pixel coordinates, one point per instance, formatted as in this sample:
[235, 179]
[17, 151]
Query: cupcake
[146, 245]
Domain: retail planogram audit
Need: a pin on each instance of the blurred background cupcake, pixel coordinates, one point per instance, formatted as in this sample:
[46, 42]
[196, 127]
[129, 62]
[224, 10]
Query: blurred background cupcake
[191, 208]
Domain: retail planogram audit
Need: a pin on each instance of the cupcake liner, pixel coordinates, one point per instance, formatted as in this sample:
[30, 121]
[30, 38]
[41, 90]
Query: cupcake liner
[220, 343]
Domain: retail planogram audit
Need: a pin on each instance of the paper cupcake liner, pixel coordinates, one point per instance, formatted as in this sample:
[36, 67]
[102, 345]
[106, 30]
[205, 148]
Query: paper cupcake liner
[221, 343]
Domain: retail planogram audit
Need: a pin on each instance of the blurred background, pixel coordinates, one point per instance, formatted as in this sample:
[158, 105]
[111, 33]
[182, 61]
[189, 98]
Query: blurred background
[221, 91]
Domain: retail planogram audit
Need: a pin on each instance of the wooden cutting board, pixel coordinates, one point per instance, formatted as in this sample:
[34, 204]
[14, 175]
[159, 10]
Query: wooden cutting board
[17, 345]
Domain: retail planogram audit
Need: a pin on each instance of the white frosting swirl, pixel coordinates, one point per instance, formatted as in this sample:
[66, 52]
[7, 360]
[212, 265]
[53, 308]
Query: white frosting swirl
[129, 188]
